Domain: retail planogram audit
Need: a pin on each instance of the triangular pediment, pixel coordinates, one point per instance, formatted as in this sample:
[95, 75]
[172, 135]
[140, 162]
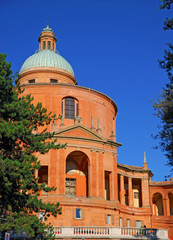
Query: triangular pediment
[79, 131]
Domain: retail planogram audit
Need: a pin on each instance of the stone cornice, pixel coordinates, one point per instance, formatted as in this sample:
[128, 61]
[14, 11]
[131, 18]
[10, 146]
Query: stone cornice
[131, 176]
[161, 184]
[46, 69]
[97, 137]
[97, 150]
[130, 168]
[88, 140]
[70, 85]
[92, 149]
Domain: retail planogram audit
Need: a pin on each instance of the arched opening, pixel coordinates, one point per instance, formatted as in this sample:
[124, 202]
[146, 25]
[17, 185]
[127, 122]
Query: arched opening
[157, 205]
[69, 108]
[76, 183]
[171, 203]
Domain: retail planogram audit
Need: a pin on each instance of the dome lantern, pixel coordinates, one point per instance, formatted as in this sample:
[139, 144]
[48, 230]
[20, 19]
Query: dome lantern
[47, 39]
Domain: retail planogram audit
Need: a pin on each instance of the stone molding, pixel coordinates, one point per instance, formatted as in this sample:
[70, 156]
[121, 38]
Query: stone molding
[102, 150]
[97, 150]
[130, 176]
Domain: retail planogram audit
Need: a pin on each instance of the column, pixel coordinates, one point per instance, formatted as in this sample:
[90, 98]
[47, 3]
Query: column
[62, 164]
[130, 191]
[122, 198]
[89, 179]
[145, 192]
[166, 206]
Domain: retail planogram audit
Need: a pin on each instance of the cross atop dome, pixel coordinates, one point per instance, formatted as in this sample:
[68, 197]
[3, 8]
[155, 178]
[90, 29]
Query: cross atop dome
[47, 29]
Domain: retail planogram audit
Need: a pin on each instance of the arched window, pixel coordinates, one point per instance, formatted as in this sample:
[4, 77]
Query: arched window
[70, 108]
[158, 205]
[44, 45]
[48, 46]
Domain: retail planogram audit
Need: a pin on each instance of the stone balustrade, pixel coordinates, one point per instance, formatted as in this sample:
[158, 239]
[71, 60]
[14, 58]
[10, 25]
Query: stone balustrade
[109, 233]
[102, 233]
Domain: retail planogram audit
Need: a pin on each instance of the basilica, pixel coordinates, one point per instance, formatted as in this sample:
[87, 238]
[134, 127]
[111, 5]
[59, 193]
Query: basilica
[97, 194]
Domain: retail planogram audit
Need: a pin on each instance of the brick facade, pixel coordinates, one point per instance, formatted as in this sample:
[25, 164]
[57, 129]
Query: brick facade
[92, 188]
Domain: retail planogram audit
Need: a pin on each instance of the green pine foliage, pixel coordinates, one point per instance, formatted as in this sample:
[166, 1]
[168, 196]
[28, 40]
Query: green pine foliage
[19, 188]
[168, 23]
[164, 105]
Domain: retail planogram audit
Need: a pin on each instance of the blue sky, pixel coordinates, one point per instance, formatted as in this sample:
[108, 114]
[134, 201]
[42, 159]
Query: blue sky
[113, 47]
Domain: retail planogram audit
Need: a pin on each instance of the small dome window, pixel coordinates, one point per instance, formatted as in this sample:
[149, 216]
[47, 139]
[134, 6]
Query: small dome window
[32, 81]
[53, 81]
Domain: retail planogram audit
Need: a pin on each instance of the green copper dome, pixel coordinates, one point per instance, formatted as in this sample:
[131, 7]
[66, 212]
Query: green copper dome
[46, 58]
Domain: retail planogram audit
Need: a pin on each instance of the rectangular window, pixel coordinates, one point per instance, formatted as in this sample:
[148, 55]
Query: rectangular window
[44, 45]
[120, 222]
[78, 213]
[53, 80]
[32, 81]
[107, 185]
[70, 186]
[48, 45]
[138, 224]
[43, 174]
[69, 108]
[128, 223]
[136, 195]
[108, 219]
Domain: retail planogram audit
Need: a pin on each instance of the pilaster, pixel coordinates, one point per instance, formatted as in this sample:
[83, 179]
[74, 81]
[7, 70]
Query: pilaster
[53, 169]
[101, 175]
[62, 162]
[93, 174]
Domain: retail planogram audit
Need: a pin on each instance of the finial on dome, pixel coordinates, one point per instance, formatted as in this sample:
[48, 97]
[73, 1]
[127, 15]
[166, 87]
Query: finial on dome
[98, 126]
[47, 28]
[92, 123]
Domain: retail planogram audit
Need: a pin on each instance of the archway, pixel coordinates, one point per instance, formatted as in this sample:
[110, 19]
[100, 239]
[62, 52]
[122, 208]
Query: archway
[76, 183]
[157, 205]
